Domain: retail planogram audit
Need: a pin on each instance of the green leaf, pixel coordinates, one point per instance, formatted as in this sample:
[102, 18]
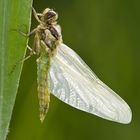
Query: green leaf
[14, 15]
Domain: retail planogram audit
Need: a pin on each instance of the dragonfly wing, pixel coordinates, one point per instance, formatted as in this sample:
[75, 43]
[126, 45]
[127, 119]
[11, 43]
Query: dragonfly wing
[73, 82]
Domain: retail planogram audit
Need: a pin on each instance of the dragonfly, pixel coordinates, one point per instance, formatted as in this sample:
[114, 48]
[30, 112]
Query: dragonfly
[62, 72]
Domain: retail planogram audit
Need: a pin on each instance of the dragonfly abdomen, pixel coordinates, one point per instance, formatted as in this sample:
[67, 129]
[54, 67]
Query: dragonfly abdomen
[43, 91]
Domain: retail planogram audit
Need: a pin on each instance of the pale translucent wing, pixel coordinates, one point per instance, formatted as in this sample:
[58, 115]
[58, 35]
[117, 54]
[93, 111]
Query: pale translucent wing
[73, 82]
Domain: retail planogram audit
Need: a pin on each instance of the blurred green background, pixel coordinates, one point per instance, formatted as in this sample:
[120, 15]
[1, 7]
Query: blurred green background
[106, 35]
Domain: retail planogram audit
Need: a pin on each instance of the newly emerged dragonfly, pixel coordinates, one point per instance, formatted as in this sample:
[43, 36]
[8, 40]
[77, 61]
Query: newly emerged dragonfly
[64, 74]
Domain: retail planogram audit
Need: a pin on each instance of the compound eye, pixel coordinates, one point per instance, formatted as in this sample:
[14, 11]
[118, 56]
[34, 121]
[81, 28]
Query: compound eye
[50, 14]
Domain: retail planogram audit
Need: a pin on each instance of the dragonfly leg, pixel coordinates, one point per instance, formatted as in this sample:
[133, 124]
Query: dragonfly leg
[36, 15]
[44, 45]
[27, 34]
[32, 52]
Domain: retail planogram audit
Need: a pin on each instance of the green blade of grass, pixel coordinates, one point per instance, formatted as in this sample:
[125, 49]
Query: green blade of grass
[14, 14]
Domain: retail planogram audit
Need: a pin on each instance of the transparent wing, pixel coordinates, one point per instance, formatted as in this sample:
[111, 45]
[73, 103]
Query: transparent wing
[73, 82]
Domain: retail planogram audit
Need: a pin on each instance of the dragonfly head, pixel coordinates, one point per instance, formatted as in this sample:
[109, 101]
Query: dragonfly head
[49, 16]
